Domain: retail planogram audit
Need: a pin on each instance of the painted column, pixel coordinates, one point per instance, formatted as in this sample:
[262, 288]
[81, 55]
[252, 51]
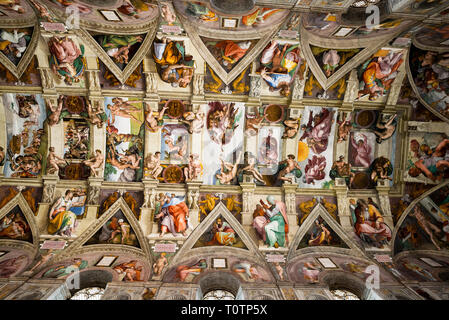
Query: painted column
[289, 191]
[344, 213]
[49, 182]
[193, 195]
[248, 188]
[152, 139]
[146, 215]
[383, 189]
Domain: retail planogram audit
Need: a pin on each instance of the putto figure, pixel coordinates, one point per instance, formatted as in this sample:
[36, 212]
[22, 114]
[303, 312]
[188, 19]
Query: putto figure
[342, 169]
[55, 111]
[287, 167]
[385, 130]
[291, 128]
[228, 171]
[153, 165]
[154, 120]
[194, 168]
[344, 126]
[95, 163]
[54, 161]
[96, 114]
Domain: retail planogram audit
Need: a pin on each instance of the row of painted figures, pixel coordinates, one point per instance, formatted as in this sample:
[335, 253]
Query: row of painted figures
[27, 163]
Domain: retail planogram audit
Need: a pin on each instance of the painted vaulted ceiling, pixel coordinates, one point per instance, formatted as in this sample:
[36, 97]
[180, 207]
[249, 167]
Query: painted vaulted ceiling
[253, 137]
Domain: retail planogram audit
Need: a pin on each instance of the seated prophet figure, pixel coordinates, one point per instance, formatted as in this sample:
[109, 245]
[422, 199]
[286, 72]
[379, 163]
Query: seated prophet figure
[176, 67]
[174, 215]
[273, 226]
[370, 226]
[62, 221]
[379, 74]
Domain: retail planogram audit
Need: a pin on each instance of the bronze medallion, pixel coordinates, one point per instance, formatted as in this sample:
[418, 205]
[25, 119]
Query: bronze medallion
[173, 174]
[273, 113]
[175, 109]
[365, 118]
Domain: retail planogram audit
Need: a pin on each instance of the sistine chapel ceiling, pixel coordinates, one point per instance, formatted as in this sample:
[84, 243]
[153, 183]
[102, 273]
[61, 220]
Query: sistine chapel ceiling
[282, 144]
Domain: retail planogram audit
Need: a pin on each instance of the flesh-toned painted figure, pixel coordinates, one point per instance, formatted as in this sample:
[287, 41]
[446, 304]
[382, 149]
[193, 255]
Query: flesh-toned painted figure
[318, 129]
[382, 68]
[184, 270]
[362, 151]
[369, 225]
[314, 170]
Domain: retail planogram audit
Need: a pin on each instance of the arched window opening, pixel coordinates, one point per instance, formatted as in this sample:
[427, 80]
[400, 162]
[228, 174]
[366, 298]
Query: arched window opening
[91, 293]
[88, 285]
[364, 3]
[219, 295]
[343, 294]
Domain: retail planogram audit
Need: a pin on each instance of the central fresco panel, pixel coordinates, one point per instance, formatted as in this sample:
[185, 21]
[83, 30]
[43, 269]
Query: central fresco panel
[262, 146]
[125, 131]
